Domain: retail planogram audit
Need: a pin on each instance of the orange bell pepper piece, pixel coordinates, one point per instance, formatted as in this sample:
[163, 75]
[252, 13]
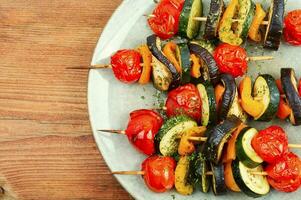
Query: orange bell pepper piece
[147, 64]
[219, 92]
[169, 51]
[254, 32]
[196, 66]
[229, 178]
[283, 110]
[248, 103]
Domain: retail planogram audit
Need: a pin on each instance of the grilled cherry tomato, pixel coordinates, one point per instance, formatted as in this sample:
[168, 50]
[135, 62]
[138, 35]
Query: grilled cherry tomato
[165, 22]
[159, 173]
[184, 100]
[285, 174]
[126, 65]
[292, 29]
[142, 128]
[231, 59]
[271, 143]
[177, 3]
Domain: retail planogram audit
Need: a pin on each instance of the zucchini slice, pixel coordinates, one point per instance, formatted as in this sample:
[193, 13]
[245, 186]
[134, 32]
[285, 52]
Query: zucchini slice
[245, 152]
[225, 31]
[245, 17]
[228, 96]
[161, 75]
[218, 179]
[237, 110]
[181, 176]
[185, 62]
[274, 29]
[205, 44]
[198, 172]
[154, 44]
[250, 184]
[211, 71]
[213, 18]
[205, 104]
[189, 27]
[218, 136]
[169, 133]
[265, 88]
[289, 84]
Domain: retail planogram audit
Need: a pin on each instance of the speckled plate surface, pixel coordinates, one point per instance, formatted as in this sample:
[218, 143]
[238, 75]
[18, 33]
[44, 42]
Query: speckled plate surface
[110, 101]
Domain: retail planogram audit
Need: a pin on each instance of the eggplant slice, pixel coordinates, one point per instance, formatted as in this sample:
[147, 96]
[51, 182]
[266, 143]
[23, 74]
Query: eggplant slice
[154, 44]
[218, 180]
[289, 85]
[218, 136]
[211, 70]
[228, 96]
[213, 18]
[274, 29]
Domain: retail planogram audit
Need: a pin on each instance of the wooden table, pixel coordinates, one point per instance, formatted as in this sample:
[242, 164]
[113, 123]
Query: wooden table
[47, 150]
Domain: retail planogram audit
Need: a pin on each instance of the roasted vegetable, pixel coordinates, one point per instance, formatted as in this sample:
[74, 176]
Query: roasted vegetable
[210, 69]
[218, 179]
[274, 29]
[245, 152]
[188, 26]
[147, 64]
[181, 176]
[229, 178]
[172, 53]
[218, 136]
[213, 18]
[185, 62]
[154, 44]
[266, 90]
[254, 32]
[245, 17]
[225, 31]
[169, 133]
[161, 75]
[250, 184]
[289, 84]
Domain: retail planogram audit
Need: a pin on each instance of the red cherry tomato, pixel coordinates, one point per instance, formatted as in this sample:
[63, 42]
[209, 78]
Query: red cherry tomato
[126, 65]
[184, 100]
[231, 59]
[159, 173]
[300, 87]
[142, 128]
[165, 24]
[176, 3]
[270, 144]
[292, 27]
[285, 174]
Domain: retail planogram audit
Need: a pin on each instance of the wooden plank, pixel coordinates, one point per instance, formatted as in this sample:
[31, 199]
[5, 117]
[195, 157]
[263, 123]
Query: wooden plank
[46, 147]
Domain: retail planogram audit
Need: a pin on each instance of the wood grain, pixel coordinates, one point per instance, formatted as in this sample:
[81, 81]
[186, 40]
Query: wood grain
[46, 147]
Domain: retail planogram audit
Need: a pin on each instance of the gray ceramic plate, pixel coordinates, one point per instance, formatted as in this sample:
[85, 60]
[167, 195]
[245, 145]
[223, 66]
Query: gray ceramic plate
[110, 101]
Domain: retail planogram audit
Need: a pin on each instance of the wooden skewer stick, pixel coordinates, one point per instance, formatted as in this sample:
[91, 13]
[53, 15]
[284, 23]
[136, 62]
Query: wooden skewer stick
[192, 138]
[204, 19]
[114, 131]
[258, 58]
[97, 66]
[207, 173]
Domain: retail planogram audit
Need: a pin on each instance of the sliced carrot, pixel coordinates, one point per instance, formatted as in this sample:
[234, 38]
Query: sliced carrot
[196, 66]
[147, 64]
[169, 51]
[229, 178]
[219, 92]
[283, 110]
[279, 86]
[231, 150]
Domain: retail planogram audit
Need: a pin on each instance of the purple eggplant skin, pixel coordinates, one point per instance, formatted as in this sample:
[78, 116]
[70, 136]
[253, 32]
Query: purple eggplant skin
[228, 96]
[205, 55]
[213, 18]
[274, 29]
[218, 185]
[289, 85]
[152, 42]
